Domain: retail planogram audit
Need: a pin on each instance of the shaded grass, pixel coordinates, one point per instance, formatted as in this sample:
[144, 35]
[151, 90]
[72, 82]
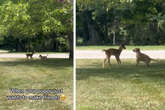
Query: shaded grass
[121, 87]
[148, 47]
[35, 74]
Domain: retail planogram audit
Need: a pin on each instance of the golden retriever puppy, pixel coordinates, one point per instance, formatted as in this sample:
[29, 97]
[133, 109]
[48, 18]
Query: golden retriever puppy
[142, 57]
[43, 57]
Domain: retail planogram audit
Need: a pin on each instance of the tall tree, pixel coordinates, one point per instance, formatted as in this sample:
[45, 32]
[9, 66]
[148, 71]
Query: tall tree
[27, 19]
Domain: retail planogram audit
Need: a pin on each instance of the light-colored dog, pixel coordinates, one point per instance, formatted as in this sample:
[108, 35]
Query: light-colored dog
[142, 57]
[43, 57]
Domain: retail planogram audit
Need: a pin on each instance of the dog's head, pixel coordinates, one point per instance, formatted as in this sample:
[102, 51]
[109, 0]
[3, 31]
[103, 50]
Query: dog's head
[40, 56]
[123, 46]
[136, 50]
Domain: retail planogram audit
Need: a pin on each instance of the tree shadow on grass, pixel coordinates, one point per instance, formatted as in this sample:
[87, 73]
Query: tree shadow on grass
[50, 63]
[124, 71]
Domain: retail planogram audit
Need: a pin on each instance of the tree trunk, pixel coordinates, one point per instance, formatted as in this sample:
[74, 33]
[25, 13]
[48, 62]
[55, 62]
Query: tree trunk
[71, 45]
[94, 36]
[18, 46]
[114, 38]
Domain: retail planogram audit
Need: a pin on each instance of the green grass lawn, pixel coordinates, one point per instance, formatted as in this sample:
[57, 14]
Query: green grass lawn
[36, 74]
[161, 47]
[120, 87]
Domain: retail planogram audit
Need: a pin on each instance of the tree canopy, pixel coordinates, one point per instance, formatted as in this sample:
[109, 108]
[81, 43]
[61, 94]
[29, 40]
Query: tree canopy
[133, 21]
[37, 23]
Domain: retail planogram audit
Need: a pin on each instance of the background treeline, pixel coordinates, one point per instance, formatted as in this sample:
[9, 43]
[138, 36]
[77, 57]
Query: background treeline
[36, 25]
[135, 22]
[40, 43]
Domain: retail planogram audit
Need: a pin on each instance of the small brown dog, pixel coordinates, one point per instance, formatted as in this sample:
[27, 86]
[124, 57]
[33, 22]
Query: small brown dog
[43, 57]
[29, 55]
[142, 57]
[114, 52]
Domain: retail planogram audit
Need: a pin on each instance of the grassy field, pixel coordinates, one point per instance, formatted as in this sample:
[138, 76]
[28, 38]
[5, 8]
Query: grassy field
[161, 47]
[36, 74]
[120, 87]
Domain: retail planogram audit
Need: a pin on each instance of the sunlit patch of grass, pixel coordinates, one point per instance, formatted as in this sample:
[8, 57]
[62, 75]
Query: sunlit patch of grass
[120, 87]
[36, 74]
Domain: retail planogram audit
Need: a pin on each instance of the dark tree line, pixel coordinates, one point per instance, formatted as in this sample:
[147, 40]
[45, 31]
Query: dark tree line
[136, 22]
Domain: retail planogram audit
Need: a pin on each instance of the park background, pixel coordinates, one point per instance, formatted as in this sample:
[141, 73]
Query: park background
[134, 22]
[44, 27]
[103, 24]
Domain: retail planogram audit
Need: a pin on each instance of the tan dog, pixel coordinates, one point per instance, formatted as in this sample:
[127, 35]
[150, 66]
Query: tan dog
[113, 52]
[43, 57]
[142, 57]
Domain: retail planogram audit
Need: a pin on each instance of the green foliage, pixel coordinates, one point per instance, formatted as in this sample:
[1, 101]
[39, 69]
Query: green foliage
[63, 44]
[30, 21]
[133, 21]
